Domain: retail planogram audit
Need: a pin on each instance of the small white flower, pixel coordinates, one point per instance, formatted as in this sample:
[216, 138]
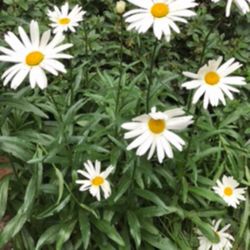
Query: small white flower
[63, 20]
[243, 5]
[227, 189]
[120, 7]
[213, 81]
[225, 242]
[162, 15]
[32, 56]
[153, 132]
[96, 179]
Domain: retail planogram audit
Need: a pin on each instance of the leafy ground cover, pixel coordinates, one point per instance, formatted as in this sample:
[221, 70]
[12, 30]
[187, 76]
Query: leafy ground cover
[46, 135]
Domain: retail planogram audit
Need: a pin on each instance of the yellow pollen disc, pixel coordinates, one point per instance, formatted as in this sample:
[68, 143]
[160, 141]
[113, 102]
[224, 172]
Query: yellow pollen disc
[228, 191]
[64, 21]
[156, 126]
[34, 58]
[212, 78]
[97, 181]
[160, 10]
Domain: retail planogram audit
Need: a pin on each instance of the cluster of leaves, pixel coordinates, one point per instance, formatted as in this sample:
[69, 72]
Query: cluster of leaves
[46, 136]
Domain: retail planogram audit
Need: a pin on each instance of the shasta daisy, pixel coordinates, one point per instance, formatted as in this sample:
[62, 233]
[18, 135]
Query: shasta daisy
[213, 81]
[32, 56]
[63, 20]
[96, 180]
[162, 15]
[153, 131]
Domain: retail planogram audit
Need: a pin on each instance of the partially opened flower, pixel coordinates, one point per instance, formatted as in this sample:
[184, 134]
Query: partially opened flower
[228, 191]
[63, 20]
[162, 15]
[213, 81]
[120, 7]
[225, 239]
[96, 180]
[153, 132]
[243, 5]
[32, 56]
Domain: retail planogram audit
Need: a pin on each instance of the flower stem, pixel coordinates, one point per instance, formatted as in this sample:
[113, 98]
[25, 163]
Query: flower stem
[70, 76]
[150, 78]
[86, 54]
[119, 88]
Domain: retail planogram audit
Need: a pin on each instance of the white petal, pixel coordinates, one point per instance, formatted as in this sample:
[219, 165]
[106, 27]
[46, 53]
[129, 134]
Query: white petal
[17, 80]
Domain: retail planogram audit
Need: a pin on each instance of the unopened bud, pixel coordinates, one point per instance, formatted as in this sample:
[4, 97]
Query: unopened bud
[120, 7]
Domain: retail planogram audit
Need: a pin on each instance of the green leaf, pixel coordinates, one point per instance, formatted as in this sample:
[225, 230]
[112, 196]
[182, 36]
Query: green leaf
[206, 153]
[148, 195]
[155, 211]
[109, 230]
[134, 227]
[23, 105]
[60, 184]
[16, 147]
[123, 186]
[64, 233]
[4, 187]
[48, 237]
[85, 228]
[206, 193]
[162, 243]
[23, 214]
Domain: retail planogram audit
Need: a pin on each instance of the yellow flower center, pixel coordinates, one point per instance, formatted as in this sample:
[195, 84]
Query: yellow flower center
[156, 126]
[228, 191]
[160, 10]
[212, 78]
[97, 181]
[34, 58]
[64, 21]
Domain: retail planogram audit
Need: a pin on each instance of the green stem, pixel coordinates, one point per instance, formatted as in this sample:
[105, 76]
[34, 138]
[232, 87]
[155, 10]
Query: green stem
[70, 77]
[150, 78]
[52, 99]
[86, 53]
[120, 68]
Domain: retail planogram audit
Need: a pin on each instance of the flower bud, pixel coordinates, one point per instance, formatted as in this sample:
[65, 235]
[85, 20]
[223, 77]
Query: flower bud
[120, 7]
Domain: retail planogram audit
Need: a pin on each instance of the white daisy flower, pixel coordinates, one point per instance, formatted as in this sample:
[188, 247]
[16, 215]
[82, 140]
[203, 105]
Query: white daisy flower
[162, 15]
[214, 81]
[227, 189]
[225, 242]
[63, 20]
[32, 56]
[96, 179]
[243, 5]
[153, 132]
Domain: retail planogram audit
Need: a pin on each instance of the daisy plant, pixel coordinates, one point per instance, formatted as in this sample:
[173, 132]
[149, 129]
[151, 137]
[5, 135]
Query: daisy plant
[63, 20]
[213, 81]
[225, 239]
[96, 180]
[228, 190]
[162, 15]
[243, 5]
[153, 131]
[33, 56]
